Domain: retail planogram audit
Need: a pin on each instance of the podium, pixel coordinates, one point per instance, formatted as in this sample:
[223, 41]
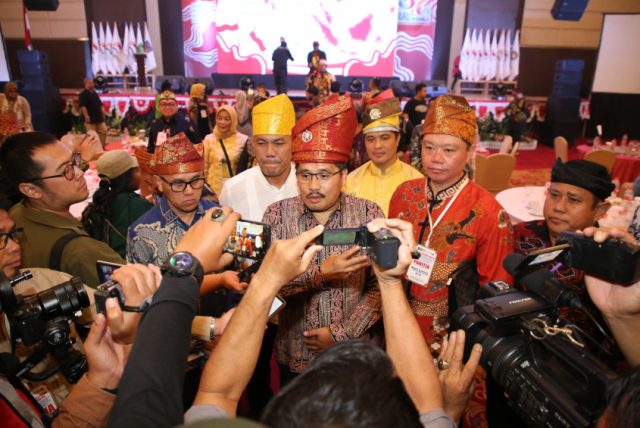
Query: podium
[142, 71]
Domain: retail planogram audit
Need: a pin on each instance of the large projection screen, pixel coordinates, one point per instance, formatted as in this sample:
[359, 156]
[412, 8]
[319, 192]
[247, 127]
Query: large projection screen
[618, 65]
[4, 64]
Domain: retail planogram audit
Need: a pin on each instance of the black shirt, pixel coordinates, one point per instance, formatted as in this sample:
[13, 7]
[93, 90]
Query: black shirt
[177, 124]
[150, 391]
[280, 57]
[91, 100]
[319, 53]
[416, 110]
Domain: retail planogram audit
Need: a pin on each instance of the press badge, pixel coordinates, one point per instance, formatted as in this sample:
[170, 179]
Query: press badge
[203, 114]
[161, 138]
[420, 269]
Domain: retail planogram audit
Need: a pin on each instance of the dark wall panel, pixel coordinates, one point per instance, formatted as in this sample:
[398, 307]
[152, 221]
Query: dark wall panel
[537, 67]
[503, 14]
[171, 36]
[118, 11]
[442, 41]
[66, 60]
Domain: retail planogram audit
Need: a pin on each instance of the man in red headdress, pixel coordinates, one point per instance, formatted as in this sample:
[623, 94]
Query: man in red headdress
[337, 298]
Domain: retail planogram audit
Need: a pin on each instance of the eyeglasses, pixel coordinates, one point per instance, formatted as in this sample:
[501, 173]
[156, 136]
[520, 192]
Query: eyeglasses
[15, 235]
[323, 177]
[179, 185]
[69, 171]
[169, 104]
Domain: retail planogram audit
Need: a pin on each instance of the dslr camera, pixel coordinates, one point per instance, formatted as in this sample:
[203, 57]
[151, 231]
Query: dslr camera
[381, 247]
[44, 319]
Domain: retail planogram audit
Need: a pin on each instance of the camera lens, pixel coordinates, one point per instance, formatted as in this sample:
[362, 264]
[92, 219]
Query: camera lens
[62, 300]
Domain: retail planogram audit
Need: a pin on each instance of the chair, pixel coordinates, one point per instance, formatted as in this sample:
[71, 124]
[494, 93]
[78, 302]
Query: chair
[507, 144]
[494, 171]
[561, 147]
[605, 158]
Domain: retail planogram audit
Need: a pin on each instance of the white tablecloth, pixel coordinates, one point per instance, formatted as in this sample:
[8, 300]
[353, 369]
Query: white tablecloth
[523, 203]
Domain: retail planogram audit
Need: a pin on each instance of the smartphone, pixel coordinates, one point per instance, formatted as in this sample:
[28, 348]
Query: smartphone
[544, 255]
[105, 269]
[249, 239]
[277, 305]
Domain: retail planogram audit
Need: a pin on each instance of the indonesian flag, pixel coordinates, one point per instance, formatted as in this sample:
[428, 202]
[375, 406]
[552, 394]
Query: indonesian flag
[515, 57]
[465, 55]
[27, 29]
[95, 50]
[150, 61]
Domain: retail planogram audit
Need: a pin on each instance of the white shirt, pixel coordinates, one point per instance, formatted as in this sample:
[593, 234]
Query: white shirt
[249, 192]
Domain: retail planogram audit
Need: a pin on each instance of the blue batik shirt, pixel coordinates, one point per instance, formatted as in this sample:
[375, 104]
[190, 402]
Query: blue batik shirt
[155, 235]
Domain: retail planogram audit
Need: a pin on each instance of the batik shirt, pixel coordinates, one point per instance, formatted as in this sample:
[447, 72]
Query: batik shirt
[348, 308]
[155, 235]
[475, 231]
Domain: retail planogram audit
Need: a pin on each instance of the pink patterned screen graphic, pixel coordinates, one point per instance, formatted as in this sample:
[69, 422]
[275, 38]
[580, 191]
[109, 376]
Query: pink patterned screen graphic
[382, 38]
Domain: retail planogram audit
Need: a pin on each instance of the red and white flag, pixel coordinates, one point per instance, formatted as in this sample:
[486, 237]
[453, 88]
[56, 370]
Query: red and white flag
[515, 57]
[95, 50]
[27, 28]
[465, 55]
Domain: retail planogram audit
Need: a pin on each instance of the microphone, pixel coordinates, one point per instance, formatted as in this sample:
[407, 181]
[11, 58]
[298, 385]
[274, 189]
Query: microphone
[542, 283]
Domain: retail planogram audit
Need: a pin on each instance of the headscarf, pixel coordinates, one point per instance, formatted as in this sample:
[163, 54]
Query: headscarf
[242, 107]
[234, 123]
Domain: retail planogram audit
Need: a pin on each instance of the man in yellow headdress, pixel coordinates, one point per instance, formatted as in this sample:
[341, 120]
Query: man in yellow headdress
[274, 179]
[460, 222]
[377, 179]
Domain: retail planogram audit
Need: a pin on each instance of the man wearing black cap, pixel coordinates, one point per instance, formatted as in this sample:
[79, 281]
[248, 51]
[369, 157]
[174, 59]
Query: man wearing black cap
[576, 199]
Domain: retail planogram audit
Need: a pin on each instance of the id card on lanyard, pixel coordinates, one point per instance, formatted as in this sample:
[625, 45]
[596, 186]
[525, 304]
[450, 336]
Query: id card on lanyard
[420, 270]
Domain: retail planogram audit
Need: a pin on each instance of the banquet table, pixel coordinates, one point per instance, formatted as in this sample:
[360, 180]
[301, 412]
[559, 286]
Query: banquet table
[627, 166]
[523, 203]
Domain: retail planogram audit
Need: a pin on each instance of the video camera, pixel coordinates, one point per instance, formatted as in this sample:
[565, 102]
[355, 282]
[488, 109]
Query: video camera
[381, 246]
[549, 378]
[44, 319]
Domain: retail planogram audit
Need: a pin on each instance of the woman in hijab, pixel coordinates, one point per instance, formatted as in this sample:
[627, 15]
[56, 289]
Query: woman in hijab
[244, 113]
[222, 148]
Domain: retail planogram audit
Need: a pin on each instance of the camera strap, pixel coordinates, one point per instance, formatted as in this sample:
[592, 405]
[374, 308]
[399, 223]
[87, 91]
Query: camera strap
[432, 225]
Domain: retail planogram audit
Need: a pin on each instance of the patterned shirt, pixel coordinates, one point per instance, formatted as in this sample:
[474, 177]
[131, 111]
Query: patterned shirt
[155, 235]
[348, 308]
[475, 232]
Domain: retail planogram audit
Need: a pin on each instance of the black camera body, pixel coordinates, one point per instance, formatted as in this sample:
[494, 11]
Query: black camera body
[549, 382]
[381, 247]
[105, 291]
[612, 260]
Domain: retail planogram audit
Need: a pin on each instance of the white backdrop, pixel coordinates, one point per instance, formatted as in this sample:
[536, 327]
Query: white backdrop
[618, 64]
[4, 65]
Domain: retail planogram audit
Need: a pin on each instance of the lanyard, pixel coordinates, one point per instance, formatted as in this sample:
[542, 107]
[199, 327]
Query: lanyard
[433, 225]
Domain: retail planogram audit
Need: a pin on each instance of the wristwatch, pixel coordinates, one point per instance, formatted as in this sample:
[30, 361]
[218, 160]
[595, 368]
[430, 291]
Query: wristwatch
[182, 264]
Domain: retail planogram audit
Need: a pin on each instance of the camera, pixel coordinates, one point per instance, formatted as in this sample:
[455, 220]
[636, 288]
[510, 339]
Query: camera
[249, 240]
[44, 319]
[381, 246]
[547, 379]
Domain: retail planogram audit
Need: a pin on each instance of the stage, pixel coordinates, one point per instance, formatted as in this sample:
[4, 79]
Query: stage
[143, 102]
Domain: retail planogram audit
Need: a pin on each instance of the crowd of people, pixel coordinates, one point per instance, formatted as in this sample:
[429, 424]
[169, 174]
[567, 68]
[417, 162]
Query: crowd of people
[355, 344]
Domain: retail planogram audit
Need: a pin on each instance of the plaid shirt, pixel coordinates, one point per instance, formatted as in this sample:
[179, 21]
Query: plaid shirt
[348, 308]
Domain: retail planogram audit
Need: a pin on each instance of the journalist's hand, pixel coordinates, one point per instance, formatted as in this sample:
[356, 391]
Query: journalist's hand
[231, 281]
[90, 146]
[285, 260]
[340, 266]
[205, 240]
[614, 300]
[601, 234]
[318, 339]
[138, 282]
[456, 380]
[404, 232]
[105, 357]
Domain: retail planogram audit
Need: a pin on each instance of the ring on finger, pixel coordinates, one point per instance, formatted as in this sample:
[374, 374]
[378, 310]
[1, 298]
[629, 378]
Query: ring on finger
[217, 215]
[443, 365]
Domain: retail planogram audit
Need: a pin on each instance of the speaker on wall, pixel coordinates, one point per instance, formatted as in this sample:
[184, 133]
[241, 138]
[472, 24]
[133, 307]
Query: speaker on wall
[568, 10]
[46, 5]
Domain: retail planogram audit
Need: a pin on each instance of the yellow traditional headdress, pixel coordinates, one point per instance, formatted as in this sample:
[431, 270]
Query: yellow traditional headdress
[274, 116]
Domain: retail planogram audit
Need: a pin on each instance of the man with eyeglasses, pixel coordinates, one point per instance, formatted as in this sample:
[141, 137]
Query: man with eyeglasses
[462, 225]
[178, 168]
[337, 298]
[171, 123]
[46, 174]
